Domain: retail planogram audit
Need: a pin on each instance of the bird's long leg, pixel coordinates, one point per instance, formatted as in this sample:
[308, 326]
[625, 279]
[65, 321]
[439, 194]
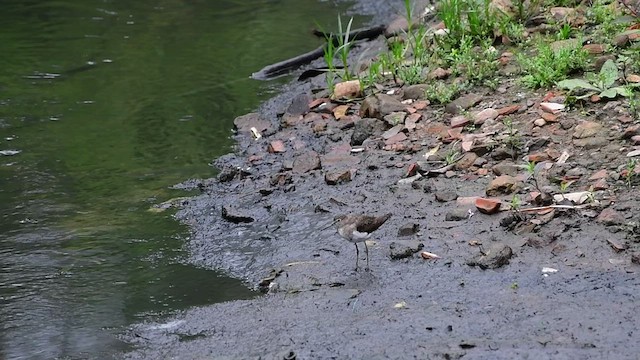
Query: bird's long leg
[357, 255]
[366, 250]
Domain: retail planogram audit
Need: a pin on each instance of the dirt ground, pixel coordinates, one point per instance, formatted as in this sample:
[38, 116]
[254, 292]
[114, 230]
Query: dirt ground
[558, 283]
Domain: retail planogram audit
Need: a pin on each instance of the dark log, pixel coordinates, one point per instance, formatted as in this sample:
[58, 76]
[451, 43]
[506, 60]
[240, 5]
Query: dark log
[357, 34]
[282, 67]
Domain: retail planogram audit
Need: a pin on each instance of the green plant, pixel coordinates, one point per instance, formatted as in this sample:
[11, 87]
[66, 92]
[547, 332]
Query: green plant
[514, 286]
[344, 47]
[513, 138]
[515, 203]
[601, 84]
[441, 93]
[472, 18]
[452, 156]
[630, 171]
[550, 66]
[634, 107]
[478, 64]
[564, 33]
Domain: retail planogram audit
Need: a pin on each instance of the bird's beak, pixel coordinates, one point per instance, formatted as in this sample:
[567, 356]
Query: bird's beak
[330, 225]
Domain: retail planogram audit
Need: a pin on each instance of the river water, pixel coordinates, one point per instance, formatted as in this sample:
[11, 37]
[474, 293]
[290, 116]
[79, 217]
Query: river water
[104, 105]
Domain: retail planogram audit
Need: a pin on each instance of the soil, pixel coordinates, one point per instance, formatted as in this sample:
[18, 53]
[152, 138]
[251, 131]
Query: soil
[559, 282]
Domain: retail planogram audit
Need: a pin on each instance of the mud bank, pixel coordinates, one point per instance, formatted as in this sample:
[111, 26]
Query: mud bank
[563, 294]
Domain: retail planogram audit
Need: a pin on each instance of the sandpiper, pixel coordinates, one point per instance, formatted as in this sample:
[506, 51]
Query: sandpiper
[358, 228]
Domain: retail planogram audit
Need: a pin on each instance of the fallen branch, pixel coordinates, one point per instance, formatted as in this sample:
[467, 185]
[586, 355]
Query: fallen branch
[554, 207]
[282, 67]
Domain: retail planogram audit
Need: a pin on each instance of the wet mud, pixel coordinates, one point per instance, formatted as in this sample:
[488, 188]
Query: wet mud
[562, 292]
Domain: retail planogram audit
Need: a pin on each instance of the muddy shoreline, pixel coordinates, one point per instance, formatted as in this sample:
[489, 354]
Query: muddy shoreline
[265, 218]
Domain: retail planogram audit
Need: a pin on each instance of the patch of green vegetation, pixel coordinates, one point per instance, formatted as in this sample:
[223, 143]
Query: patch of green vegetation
[478, 64]
[513, 139]
[601, 84]
[630, 171]
[549, 66]
[467, 18]
[442, 93]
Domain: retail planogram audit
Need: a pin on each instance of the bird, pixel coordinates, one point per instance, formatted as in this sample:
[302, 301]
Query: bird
[358, 228]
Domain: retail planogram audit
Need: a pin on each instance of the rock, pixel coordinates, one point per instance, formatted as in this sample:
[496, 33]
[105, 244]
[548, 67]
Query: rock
[415, 91]
[508, 110]
[446, 196]
[397, 26]
[396, 138]
[306, 162]
[497, 256]
[244, 123]
[276, 146]
[635, 258]
[392, 132]
[462, 103]
[488, 206]
[439, 73]
[602, 174]
[297, 109]
[551, 107]
[457, 214]
[467, 160]
[408, 229]
[337, 177]
[388, 104]
[616, 245]
[395, 118]
[228, 173]
[503, 153]
[610, 217]
[621, 41]
[234, 215]
[484, 115]
[347, 89]
[459, 121]
[365, 128]
[631, 131]
[594, 49]
[587, 129]
[505, 168]
[404, 248]
[591, 143]
[503, 184]
[539, 122]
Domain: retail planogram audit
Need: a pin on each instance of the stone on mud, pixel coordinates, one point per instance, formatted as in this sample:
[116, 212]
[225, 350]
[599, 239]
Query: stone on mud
[306, 162]
[380, 105]
[235, 215]
[415, 91]
[337, 177]
[462, 103]
[497, 256]
[610, 217]
[364, 129]
[401, 249]
[587, 129]
[244, 123]
[445, 195]
[408, 229]
[502, 185]
[457, 214]
[488, 206]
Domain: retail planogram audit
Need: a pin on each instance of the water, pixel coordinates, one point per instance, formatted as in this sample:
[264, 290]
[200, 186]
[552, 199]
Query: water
[104, 104]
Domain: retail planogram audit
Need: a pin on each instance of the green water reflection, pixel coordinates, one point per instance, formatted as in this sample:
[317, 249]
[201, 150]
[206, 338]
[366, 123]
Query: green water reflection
[108, 103]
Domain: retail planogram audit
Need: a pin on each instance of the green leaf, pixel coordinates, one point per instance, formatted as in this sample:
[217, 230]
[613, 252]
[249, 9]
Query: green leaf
[623, 91]
[610, 93]
[609, 73]
[572, 84]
